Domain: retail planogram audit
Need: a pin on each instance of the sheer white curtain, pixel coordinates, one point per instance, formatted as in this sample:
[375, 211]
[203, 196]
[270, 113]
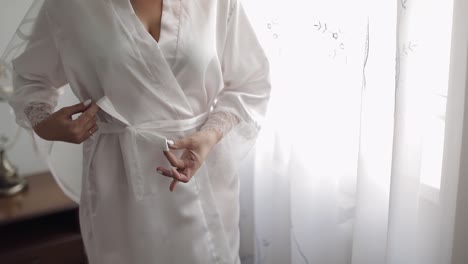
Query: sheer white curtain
[359, 159]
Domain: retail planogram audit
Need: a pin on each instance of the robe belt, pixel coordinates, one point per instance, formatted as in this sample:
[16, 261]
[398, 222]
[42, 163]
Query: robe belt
[129, 134]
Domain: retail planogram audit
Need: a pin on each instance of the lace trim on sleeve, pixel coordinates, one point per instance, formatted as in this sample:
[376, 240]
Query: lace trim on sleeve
[222, 122]
[37, 112]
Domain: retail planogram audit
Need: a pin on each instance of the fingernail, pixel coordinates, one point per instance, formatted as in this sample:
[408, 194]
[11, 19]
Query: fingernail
[159, 171]
[170, 142]
[87, 102]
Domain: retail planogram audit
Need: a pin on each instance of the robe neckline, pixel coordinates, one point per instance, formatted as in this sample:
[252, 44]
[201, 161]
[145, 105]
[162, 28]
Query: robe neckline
[158, 59]
[163, 11]
[170, 27]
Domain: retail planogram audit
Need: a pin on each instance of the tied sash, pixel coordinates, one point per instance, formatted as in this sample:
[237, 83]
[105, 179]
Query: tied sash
[132, 137]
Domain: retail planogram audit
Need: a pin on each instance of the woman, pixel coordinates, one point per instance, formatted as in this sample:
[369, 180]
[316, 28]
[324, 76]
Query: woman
[191, 72]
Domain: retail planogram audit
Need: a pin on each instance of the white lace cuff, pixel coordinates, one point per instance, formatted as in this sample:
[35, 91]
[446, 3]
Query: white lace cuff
[222, 122]
[36, 112]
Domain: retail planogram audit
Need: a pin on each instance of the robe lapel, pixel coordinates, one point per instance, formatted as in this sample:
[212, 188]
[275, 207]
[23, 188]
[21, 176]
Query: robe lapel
[170, 30]
[158, 58]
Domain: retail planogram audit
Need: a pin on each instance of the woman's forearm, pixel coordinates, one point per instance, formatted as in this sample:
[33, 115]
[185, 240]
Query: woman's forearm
[221, 123]
[37, 112]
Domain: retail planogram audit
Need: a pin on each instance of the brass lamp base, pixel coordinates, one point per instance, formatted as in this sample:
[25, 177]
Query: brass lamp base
[10, 183]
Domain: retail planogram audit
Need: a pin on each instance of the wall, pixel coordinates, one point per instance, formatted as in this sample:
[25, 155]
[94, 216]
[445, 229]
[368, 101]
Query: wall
[22, 155]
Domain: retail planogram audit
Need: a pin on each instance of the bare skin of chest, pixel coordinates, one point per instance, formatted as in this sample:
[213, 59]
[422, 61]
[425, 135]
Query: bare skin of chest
[150, 13]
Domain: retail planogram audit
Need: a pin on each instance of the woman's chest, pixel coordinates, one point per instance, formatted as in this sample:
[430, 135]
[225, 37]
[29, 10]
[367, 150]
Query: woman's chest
[110, 32]
[149, 12]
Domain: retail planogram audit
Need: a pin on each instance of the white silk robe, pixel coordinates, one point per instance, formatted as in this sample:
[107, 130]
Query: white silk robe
[207, 59]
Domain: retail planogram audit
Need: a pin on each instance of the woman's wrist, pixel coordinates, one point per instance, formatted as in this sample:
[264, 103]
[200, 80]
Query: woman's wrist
[213, 135]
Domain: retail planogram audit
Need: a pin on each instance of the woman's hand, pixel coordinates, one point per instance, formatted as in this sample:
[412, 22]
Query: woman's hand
[60, 125]
[196, 148]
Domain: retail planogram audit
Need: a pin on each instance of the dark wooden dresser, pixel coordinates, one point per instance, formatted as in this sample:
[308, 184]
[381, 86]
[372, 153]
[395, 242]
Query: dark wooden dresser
[40, 226]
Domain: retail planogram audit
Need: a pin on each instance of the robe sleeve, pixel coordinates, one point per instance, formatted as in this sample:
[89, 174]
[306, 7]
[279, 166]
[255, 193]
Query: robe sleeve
[222, 122]
[37, 75]
[245, 72]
